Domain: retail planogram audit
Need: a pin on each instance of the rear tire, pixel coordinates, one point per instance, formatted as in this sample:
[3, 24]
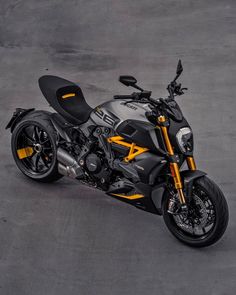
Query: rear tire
[34, 147]
[216, 215]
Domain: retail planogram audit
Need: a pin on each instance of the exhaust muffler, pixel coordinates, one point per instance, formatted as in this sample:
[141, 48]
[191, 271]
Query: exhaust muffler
[67, 164]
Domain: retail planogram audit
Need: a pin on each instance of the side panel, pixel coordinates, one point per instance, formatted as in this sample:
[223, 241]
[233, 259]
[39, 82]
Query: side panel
[112, 113]
[129, 120]
[143, 134]
[150, 166]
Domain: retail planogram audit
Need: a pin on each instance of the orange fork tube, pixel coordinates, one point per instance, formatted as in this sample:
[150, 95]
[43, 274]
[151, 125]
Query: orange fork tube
[191, 163]
[174, 168]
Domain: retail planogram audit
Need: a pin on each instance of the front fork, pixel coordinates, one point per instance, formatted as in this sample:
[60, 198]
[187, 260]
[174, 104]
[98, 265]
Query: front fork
[174, 167]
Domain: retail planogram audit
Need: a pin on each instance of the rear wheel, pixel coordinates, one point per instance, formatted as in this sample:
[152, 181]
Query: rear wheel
[34, 147]
[206, 219]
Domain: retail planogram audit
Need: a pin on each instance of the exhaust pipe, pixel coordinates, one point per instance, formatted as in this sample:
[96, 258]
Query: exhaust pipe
[67, 164]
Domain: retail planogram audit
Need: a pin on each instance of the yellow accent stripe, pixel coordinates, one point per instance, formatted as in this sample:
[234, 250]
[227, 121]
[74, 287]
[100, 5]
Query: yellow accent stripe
[139, 151]
[68, 95]
[25, 152]
[134, 149]
[132, 197]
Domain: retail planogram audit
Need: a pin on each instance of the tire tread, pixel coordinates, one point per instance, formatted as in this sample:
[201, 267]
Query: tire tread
[221, 209]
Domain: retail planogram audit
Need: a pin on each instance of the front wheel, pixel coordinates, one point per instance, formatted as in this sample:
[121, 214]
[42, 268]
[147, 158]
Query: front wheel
[206, 219]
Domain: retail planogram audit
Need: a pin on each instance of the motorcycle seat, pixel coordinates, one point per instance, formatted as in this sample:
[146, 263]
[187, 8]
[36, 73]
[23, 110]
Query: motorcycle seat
[66, 98]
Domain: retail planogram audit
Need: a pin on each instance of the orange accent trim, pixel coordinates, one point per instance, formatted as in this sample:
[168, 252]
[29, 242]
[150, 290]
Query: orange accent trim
[191, 163]
[181, 196]
[25, 152]
[132, 197]
[164, 130]
[68, 95]
[167, 141]
[134, 149]
[174, 168]
[161, 119]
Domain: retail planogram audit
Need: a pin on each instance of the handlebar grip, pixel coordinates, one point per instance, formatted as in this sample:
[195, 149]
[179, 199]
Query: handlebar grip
[122, 96]
[155, 101]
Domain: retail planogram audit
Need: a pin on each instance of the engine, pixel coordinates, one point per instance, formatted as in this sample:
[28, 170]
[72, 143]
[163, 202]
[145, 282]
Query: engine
[93, 163]
[98, 168]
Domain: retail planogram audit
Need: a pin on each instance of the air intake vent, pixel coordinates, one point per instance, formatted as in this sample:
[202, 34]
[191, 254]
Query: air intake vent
[128, 130]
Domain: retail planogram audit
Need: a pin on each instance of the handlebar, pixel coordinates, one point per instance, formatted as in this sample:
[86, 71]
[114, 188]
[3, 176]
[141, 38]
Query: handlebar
[135, 95]
[123, 96]
[142, 97]
[145, 97]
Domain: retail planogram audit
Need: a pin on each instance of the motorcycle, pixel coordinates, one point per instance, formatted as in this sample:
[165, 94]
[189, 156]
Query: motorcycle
[132, 147]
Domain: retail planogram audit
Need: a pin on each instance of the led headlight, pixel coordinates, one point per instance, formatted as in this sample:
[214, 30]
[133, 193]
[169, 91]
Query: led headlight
[185, 139]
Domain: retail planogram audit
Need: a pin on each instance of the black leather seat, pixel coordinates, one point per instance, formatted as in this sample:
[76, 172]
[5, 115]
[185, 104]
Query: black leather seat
[66, 98]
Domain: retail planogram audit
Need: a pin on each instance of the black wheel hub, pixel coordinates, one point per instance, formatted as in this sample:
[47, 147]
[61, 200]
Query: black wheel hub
[199, 218]
[38, 148]
[35, 139]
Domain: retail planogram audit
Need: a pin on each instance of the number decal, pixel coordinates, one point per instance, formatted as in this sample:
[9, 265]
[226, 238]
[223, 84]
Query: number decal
[99, 113]
[106, 118]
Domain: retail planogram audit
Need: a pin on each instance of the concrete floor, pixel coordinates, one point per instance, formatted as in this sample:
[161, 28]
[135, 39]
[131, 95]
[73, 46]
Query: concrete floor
[65, 238]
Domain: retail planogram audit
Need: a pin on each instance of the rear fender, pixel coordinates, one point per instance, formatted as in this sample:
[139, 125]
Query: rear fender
[17, 117]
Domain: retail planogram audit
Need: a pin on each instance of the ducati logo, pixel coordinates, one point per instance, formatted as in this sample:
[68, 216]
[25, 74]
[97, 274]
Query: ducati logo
[139, 167]
[129, 106]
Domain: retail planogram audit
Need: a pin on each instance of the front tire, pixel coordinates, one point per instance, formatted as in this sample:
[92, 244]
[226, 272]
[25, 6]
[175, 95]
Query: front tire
[207, 217]
[34, 147]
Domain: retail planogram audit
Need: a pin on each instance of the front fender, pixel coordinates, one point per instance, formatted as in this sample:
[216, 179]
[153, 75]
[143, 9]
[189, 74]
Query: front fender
[187, 176]
[157, 196]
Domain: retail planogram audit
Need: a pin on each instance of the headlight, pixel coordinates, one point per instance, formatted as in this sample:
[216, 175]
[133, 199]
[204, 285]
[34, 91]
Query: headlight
[185, 139]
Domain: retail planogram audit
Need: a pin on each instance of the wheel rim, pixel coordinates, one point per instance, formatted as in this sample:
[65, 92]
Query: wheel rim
[199, 221]
[34, 149]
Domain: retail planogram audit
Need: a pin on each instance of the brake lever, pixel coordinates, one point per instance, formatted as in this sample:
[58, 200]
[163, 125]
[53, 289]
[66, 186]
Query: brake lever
[185, 88]
[179, 90]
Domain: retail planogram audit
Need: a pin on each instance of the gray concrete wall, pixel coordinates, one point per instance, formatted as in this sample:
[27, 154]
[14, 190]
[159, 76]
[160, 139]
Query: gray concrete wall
[65, 238]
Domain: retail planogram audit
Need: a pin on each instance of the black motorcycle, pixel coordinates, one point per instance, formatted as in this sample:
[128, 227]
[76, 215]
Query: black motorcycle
[132, 147]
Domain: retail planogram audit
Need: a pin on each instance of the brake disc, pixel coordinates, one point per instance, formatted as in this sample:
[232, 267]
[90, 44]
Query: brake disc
[194, 224]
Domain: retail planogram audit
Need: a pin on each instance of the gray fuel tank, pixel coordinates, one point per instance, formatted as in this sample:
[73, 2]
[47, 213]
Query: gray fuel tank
[114, 112]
